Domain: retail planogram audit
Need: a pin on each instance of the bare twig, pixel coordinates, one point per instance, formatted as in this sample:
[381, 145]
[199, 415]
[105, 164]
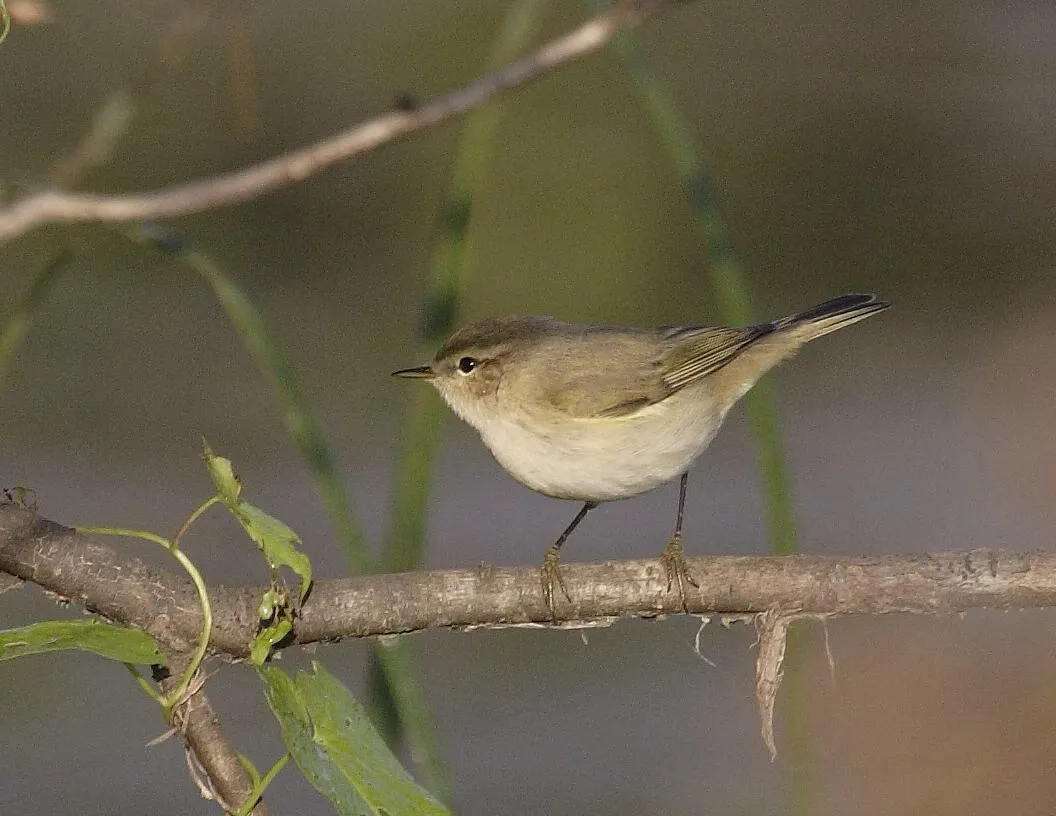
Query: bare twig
[47, 206]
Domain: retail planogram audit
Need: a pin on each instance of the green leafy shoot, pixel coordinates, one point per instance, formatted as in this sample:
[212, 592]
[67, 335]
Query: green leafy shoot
[266, 639]
[103, 639]
[276, 540]
[225, 481]
[339, 751]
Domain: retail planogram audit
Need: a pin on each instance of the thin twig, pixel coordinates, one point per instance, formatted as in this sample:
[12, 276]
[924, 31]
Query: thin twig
[49, 206]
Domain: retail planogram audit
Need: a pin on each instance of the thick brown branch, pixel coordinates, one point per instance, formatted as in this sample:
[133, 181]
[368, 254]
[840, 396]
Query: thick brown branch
[49, 206]
[125, 589]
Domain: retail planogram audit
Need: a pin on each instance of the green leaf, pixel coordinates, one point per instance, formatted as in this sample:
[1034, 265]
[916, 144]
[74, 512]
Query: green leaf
[104, 639]
[222, 472]
[272, 603]
[275, 539]
[292, 713]
[338, 750]
[266, 638]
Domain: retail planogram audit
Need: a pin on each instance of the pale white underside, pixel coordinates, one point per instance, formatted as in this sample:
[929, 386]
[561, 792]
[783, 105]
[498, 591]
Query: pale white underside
[599, 458]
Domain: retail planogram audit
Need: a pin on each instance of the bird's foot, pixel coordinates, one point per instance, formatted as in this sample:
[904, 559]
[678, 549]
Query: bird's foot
[676, 569]
[550, 575]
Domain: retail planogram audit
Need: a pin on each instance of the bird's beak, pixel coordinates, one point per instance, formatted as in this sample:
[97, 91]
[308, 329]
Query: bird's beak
[418, 373]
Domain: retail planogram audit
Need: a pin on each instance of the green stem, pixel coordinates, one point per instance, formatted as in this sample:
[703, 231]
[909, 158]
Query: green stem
[394, 679]
[145, 684]
[265, 352]
[732, 294]
[173, 698]
[727, 279]
[191, 519]
[448, 274]
[299, 420]
[261, 785]
[17, 325]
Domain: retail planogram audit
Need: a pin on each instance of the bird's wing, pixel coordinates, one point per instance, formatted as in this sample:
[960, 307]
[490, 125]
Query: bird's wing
[583, 391]
[648, 373]
[699, 352]
[606, 393]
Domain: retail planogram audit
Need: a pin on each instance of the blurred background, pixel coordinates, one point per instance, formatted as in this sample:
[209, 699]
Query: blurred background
[908, 151]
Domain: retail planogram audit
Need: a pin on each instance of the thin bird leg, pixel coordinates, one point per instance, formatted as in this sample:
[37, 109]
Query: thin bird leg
[551, 572]
[672, 559]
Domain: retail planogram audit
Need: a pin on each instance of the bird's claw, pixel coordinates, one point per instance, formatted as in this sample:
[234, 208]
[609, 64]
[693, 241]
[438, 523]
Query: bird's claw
[550, 575]
[677, 570]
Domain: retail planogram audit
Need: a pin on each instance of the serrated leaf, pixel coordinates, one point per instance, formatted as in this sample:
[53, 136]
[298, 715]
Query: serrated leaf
[276, 541]
[338, 749]
[104, 639]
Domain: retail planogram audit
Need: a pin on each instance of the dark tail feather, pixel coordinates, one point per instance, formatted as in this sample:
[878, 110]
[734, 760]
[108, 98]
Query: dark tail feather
[831, 315]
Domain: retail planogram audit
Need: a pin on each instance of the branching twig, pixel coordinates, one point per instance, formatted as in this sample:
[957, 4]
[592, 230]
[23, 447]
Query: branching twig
[776, 590]
[212, 750]
[47, 206]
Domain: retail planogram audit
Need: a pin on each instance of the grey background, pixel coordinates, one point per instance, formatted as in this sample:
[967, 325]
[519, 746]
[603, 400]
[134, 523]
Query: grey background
[858, 147]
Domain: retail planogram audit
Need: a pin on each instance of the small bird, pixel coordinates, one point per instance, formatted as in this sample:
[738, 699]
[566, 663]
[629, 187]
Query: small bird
[600, 413]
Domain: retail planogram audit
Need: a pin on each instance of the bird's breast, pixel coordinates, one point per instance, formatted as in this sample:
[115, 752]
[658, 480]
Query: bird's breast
[604, 458]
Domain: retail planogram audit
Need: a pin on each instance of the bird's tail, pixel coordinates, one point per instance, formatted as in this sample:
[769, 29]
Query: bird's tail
[829, 316]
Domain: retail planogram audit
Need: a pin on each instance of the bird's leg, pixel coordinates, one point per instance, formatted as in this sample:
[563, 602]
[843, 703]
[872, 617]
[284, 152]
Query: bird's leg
[550, 574]
[672, 559]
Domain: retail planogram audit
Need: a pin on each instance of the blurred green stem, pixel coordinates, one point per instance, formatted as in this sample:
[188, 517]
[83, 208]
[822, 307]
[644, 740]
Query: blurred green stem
[731, 292]
[296, 414]
[397, 679]
[403, 545]
[404, 542]
[17, 325]
[728, 281]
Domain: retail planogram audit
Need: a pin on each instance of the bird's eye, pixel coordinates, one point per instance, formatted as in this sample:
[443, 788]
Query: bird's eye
[467, 364]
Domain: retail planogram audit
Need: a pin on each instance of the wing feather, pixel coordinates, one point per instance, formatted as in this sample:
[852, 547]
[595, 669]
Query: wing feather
[700, 352]
[652, 369]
